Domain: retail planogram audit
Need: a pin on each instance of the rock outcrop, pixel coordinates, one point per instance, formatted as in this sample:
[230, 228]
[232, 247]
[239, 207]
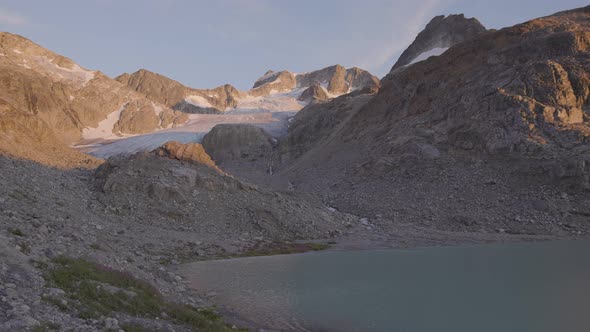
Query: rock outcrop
[191, 152]
[227, 142]
[438, 35]
[314, 94]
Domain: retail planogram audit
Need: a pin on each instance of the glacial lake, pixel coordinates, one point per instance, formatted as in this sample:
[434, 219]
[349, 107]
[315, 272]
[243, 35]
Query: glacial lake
[537, 287]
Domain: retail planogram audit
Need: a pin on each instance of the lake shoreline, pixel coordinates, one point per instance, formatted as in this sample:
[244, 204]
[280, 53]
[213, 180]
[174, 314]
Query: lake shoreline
[355, 244]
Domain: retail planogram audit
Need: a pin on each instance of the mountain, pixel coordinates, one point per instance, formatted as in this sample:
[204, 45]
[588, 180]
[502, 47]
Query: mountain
[314, 94]
[440, 34]
[460, 142]
[334, 81]
[177, 96]
[68, 103]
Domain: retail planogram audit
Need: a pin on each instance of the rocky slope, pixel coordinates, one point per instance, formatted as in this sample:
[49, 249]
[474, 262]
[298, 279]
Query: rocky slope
[68, 101]
[440, 34]
[23, 135]
[491, 136]
[139, 215]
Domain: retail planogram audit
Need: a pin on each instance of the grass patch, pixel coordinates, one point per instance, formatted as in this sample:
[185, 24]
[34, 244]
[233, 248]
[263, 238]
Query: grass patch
[279, 248]
[46, 327]
[100, 291]
[134, 327]
[16, 232]
[55, 301]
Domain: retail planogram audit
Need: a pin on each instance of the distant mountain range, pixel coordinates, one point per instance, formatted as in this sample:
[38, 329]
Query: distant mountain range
[50, 93]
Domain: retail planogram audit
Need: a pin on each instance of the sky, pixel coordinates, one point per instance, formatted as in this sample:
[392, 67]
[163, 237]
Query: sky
[207, 43]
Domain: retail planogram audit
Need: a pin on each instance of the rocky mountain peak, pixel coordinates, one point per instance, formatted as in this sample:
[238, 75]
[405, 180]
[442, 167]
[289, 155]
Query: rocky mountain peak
[438, 35]
[314, 94]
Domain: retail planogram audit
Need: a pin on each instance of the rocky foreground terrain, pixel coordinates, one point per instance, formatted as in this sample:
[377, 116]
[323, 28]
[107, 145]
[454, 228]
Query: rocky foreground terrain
[488, 142]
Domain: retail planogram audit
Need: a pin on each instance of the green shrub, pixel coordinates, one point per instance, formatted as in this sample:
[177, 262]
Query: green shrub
[82, 281]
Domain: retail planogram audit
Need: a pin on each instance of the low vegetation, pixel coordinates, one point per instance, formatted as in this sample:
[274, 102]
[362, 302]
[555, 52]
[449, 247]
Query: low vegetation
[17, 232]
[101, 291]
[46, 327]
[280, 248]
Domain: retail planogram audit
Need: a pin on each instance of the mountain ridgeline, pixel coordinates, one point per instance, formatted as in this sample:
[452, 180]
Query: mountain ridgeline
[335, 80]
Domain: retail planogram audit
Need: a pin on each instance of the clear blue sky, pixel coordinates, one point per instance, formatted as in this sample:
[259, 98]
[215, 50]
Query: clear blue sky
[209, 43]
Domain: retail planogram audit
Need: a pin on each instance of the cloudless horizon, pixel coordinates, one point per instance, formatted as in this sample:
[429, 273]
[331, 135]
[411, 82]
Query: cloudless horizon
[204, 44]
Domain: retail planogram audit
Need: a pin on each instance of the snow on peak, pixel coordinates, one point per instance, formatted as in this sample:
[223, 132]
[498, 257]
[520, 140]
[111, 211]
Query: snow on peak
[433, 52]
[76, 74]
[198, 101]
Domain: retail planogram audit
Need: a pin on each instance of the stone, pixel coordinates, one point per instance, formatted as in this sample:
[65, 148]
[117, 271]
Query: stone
[111, 324]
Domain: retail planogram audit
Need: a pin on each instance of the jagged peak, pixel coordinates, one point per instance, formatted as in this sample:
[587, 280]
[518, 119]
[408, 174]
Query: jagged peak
[439, 34]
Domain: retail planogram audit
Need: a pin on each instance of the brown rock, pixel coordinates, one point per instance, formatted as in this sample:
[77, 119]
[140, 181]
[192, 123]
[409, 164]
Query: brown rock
[191, 152]
[314, 94]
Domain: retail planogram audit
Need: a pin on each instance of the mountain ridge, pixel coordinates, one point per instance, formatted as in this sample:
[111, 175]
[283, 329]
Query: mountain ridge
[336, 80]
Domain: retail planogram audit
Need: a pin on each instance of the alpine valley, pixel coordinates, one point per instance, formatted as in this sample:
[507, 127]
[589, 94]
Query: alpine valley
[110, 185]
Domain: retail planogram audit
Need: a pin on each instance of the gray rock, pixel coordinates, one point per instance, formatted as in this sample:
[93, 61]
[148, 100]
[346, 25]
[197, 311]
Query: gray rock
[111, 324]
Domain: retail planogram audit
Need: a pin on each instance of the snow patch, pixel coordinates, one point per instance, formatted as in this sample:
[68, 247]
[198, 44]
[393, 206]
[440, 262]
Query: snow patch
[76, 74]
[105, 127]
[275, 102]
[17, 51]
[157, 109]
[198, 101]
[324, 85]
[433, 52]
